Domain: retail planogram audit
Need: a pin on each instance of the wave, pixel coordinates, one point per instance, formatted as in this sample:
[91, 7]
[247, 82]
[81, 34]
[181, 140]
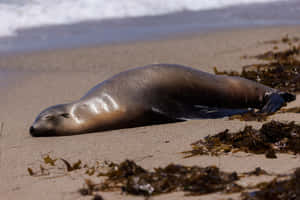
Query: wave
[18, 14]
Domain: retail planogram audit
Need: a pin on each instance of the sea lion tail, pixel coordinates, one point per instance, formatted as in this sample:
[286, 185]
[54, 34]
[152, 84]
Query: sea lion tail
[274, 101]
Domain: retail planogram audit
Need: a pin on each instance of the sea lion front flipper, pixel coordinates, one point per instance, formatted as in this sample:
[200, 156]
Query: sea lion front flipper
[276, 100]
[188, 112]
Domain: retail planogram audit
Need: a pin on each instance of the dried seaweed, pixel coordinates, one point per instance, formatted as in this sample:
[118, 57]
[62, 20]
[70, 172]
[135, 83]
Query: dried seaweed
[281, 72]
[89, 189]
[41, 172]
[97, 197]
[30, 171]
[276, 189]
[49, 160]
[271, 138]
[251, 116]
[283, 56]
[256, 172]
[73, 167]
[44, 171]
[133, 179]
[194, 180]
[284, 39]
[290, 110]
[259, 116]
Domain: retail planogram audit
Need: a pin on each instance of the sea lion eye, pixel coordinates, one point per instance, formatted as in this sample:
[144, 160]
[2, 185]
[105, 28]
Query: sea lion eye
[49, 117]
[65, 115]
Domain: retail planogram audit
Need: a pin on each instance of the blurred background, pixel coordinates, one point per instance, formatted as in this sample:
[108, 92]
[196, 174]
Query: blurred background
[30, 25]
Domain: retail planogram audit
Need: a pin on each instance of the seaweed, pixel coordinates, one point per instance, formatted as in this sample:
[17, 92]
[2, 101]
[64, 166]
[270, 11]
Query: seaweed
[251, 116]
[89, 189]
[73, 167]
[273, 137]
[195, 180]
[277, 189]
[281, 72]
[49, 160]
[30, 171]
[41, 172]
[271, 154]
[290, 110]
[97, 197]
[284, 39]
[259, 116]
[52, 162]
[283, 56]
[256, 172]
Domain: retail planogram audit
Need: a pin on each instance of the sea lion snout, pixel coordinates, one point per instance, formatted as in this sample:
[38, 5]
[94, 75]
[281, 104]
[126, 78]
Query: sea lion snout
[35, 132]
[32, 131]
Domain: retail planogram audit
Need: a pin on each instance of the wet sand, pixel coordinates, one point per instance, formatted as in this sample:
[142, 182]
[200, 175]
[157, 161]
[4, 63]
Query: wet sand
[61, 76]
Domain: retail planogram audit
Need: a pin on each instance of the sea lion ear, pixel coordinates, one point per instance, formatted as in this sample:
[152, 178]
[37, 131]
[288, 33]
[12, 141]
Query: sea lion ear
[65, 115]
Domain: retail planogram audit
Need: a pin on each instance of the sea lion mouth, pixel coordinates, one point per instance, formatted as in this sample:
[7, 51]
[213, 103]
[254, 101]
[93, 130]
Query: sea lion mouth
[36, 133]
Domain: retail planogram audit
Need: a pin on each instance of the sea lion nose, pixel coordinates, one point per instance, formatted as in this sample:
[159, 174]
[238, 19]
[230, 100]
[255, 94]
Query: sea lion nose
[32, 131]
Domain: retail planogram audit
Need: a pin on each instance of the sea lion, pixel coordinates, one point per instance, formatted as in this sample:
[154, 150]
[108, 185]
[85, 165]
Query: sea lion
[154, 94]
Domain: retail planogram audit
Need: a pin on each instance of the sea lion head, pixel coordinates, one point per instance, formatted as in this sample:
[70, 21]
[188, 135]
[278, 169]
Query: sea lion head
[53, 121]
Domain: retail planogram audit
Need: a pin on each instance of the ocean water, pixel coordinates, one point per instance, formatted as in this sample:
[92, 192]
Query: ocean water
[16, 14]
[30, 25]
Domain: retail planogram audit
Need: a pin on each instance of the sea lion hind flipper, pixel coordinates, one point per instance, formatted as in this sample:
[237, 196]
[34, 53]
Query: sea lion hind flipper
[288, 97]
[276, 100]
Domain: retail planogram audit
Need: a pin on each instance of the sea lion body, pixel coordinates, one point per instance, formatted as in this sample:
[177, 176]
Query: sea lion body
[156, 94]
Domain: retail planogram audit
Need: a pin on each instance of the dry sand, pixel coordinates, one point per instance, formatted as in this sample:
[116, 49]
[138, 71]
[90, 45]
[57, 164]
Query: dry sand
[64, 75]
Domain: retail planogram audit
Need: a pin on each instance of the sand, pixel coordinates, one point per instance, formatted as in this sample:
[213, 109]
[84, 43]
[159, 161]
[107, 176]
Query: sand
[60, 76]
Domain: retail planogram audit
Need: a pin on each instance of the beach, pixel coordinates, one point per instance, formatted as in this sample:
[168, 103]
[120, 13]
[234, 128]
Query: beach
[43, 78]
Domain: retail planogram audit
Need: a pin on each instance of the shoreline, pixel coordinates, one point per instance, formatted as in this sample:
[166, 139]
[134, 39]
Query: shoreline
[144, 52]
[62, 76]
[171, 37]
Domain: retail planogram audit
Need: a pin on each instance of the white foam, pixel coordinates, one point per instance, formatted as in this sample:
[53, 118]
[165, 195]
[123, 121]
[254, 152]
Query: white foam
[30, 13]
